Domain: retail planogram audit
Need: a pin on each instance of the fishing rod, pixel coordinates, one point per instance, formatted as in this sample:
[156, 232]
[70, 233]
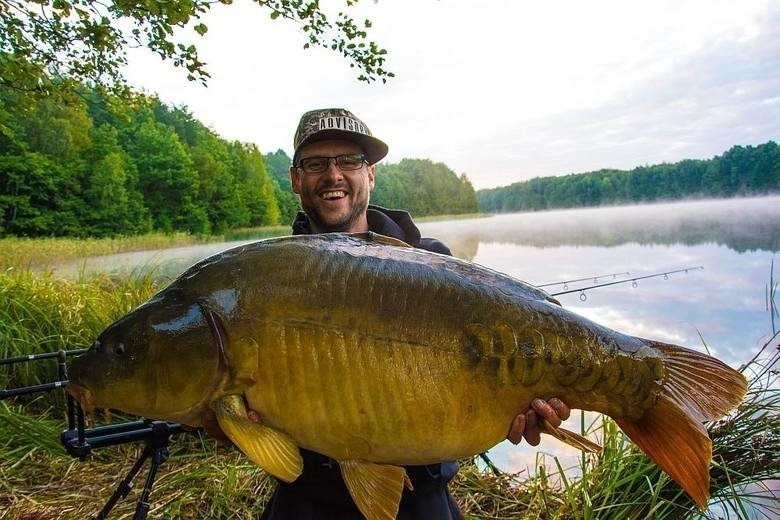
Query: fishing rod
[595, 279]
[79, 441]
[633, 281]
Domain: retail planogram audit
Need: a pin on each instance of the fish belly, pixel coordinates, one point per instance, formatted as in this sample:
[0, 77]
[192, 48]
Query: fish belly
[354, 395]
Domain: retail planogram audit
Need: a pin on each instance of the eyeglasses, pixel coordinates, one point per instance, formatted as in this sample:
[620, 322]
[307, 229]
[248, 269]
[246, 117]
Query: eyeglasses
[345, 162]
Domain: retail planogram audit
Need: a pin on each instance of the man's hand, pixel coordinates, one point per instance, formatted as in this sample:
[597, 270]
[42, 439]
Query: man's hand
[527, 424]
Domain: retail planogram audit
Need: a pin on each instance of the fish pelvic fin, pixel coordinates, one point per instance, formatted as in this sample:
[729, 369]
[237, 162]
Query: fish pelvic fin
[570, 438]
[696, 388]
[375, 488]
[274, 451]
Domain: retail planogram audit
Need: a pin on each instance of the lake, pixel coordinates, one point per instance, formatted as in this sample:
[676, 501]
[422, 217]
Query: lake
[722, 306]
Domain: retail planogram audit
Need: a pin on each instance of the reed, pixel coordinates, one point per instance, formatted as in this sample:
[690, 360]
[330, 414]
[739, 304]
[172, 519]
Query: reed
[41, 313]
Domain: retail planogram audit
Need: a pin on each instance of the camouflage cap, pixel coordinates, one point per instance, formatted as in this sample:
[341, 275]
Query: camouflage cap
[337, 123]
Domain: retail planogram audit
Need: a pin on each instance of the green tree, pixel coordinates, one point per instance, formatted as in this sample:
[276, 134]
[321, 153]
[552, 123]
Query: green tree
[278, 164]
[255, 185]
[423, 188]
[167, 178]
[27, 195]
[55, 137]
[110, 190]
[740, 170]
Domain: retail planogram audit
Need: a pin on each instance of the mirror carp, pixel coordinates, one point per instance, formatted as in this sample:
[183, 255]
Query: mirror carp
[380, 355]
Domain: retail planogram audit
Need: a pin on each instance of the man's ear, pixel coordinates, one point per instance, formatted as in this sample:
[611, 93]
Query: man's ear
[371, 175]
[295, 180]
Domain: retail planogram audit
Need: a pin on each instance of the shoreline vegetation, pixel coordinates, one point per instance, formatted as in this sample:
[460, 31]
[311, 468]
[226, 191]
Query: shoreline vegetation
[202, 479]
[740, 171]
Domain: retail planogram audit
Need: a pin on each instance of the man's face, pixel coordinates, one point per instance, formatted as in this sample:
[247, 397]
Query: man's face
[334, 200]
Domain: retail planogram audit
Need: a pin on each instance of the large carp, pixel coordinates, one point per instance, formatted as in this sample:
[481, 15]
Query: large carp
[380, 356]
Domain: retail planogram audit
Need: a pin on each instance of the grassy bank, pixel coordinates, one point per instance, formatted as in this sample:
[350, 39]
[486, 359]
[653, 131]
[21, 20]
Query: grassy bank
[204, 480]
[38, 253]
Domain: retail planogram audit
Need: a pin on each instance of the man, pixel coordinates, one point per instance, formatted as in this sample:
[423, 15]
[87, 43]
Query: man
[333, 173]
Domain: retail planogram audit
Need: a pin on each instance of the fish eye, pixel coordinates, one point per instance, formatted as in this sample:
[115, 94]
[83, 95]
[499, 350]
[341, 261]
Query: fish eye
[119, 349]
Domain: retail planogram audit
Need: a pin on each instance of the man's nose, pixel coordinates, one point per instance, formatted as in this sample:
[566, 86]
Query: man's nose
[333, 169]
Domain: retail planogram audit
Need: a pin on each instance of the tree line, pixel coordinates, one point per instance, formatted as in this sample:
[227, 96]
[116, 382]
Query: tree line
[742, 170]
[97, 165]
[94, 167]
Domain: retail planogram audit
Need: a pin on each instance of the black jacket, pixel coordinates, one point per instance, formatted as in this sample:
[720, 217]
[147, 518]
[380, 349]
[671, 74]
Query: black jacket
[320, 492]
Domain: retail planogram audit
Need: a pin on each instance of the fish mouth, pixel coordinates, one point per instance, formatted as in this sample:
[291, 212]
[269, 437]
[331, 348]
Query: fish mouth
[82, 395]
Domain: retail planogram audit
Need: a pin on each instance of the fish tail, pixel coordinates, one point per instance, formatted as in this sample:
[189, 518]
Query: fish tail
[696, 388]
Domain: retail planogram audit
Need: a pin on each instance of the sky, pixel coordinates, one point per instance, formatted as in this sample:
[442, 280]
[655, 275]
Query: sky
[501, 90]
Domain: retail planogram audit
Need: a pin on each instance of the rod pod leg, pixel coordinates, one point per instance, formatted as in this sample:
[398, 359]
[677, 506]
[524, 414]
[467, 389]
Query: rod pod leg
[124, 486]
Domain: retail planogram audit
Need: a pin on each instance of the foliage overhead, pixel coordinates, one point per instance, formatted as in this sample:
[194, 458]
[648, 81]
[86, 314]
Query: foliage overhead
[742, 170]
[86, 41]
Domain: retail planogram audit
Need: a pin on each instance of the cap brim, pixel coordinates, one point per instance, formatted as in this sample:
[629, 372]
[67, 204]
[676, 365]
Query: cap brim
[374, 149]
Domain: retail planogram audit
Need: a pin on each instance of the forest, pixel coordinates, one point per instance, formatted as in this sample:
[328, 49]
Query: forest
[740, 171]
[99, 166]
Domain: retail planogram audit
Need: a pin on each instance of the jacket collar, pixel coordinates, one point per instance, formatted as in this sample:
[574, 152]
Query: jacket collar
[389, 222]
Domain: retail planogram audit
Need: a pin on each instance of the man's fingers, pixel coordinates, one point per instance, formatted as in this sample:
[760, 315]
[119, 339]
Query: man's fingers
[517, 429]
[253, 415]
[560, 407]
[532, 434]
[541, 407]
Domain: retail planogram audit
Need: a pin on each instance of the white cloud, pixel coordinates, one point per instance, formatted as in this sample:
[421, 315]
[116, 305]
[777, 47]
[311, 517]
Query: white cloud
[508, 91]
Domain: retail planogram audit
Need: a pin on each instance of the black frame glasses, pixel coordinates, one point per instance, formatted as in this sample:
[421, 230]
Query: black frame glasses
[346, 162]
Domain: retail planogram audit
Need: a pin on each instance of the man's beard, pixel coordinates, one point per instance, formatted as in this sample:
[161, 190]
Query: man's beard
[342, 224]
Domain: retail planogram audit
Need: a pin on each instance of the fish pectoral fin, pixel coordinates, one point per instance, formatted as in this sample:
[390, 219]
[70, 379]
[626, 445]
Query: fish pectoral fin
[272, 450]
[375, 488]
[570, 438]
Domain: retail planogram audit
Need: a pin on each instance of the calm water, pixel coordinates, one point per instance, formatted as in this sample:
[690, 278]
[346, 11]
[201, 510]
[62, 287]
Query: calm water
[722, 305]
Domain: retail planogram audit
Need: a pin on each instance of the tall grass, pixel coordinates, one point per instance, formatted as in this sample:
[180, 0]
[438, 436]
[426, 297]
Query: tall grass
[204, 480]
[41, 313]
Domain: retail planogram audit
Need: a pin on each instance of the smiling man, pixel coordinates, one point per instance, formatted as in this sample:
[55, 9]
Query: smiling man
[333, 173]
